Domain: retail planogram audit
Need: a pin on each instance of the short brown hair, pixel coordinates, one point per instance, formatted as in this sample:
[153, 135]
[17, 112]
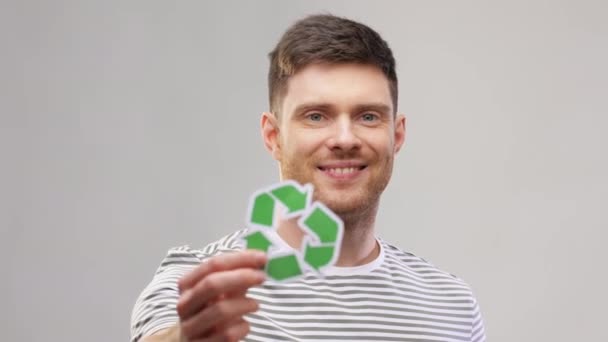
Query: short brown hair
[325, 38]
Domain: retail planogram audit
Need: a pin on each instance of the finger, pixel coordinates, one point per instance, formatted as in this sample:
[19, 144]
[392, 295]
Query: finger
[215, 285]
[227, 324]
[203, 324]
[236, 294]
[224, 262]
[235, 333]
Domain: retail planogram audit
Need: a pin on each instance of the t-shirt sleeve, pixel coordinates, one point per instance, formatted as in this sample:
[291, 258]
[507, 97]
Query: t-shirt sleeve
[155, 308]
[477, 328]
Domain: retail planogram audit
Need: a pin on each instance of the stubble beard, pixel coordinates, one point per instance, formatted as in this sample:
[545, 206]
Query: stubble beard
[352, 205]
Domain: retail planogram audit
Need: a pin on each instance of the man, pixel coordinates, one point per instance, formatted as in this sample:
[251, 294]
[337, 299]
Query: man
[332, 123]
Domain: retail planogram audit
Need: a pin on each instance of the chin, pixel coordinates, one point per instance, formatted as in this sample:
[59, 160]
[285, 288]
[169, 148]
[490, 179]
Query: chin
[345, 203]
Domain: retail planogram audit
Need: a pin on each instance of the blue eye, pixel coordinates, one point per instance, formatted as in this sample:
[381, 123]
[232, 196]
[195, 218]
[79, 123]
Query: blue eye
[368, 117]
[315, 117]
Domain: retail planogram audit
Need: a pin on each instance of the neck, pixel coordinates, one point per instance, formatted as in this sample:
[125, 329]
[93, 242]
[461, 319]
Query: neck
[359, 245]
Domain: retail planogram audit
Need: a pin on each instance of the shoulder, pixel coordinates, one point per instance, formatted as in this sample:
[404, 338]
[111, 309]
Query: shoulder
[416, 272]
[421, 270]
[434, 284]
[186, 255]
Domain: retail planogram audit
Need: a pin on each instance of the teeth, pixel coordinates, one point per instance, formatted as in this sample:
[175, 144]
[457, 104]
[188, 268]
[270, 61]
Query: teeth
[342, 170]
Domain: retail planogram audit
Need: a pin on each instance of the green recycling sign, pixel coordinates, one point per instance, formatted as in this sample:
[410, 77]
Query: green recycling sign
[323, 230]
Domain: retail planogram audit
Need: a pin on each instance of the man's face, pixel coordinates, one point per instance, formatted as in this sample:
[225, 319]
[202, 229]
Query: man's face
[337, 131]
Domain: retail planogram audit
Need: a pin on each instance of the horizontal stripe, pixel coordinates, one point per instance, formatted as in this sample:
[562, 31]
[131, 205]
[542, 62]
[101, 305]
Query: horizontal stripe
[399, 297]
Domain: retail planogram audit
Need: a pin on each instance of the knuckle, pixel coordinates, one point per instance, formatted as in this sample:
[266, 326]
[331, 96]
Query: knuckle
[181, 283]
[222, 309]
[248, 305]
[182, 305]
[181, 308]
[212, 264]
[246, 328]
[215, 263]
[252, 275]
[210, 284]
[186, 329]
[230, 335]
[254, 305]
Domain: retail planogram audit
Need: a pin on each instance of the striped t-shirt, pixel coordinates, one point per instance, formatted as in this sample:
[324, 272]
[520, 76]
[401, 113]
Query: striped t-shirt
[397, 297]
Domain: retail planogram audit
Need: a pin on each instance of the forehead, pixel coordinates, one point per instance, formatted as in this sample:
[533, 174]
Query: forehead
[342, 86]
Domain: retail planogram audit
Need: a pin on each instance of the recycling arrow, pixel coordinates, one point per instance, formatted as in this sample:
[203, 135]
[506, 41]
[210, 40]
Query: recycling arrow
[263, 210]
[326, 228]
[258, 240]
[294, 197]
[323, 228]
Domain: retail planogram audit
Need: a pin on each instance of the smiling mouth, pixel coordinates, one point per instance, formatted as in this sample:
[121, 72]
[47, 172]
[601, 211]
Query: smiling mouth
[342, 170]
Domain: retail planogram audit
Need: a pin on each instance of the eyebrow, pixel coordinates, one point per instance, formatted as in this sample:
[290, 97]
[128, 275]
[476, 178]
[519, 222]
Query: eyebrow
[376, 107]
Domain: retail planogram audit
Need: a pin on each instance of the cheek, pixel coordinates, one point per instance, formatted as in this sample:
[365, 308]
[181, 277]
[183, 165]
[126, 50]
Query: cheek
[382, 145]
[301, 144]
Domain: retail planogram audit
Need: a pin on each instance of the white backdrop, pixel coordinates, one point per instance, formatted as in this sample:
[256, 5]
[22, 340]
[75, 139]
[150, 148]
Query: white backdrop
[129, 127]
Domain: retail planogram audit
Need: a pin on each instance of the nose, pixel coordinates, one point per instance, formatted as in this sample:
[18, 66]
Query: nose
[344, 137]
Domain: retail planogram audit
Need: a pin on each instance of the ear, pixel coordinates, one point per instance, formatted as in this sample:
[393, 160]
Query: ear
[270, 134]
[400, 122]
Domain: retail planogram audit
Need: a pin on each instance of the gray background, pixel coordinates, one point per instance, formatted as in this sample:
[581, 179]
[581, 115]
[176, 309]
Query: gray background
[131, 127]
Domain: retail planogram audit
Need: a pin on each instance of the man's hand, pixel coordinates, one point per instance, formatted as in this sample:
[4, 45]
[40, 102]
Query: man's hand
[212, 297]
